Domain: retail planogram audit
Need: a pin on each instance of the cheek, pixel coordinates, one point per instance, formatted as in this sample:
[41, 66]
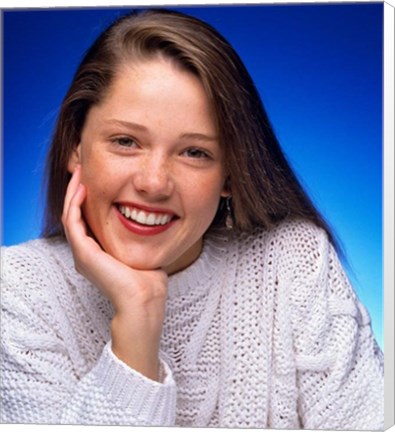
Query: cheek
[100, 175]
[98, 190]
[203, 196]
[101, 189]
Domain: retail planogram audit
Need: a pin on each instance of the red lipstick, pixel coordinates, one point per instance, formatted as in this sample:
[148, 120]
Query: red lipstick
[141, 229]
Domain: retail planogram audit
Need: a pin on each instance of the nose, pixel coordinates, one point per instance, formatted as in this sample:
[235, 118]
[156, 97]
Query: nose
[153, 177]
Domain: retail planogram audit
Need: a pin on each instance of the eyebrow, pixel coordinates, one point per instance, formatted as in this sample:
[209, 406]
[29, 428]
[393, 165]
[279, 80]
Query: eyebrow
[127, 124]
[199, 136]
[188, 135]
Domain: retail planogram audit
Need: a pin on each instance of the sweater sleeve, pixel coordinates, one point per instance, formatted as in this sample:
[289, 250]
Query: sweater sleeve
[40, 383]
[339, 364]
[111, 393]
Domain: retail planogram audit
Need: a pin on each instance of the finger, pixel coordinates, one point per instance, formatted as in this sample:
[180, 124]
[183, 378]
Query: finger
[71, 190]
[74, 224]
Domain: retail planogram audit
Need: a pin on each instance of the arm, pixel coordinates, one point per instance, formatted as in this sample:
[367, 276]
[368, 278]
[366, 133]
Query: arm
[129, 384]
[339, 365]
[40, 383]
[114, 394]
[138, 296]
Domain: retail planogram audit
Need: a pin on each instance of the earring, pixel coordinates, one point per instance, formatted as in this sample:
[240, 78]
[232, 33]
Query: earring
[229, 217]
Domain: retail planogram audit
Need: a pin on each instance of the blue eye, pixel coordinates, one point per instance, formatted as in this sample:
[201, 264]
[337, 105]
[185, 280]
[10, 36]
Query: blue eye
[196, 153]
[125, 142]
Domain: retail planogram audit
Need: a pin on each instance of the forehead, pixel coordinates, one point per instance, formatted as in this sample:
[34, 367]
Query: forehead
[158, 94]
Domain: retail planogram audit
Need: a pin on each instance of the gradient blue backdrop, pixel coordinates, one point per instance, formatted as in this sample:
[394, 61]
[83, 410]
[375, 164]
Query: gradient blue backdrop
[317, 67]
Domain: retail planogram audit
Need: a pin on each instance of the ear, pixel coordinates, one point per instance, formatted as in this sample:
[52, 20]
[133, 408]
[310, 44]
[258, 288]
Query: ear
[227, 190]
[74, 159]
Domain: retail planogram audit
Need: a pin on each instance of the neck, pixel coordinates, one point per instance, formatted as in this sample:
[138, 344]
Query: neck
[186, 259]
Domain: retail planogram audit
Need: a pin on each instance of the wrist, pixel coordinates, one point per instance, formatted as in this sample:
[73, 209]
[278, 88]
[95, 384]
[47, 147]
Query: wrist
[136, 350]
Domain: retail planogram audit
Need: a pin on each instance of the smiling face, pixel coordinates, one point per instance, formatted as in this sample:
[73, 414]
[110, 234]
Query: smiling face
[152, 165]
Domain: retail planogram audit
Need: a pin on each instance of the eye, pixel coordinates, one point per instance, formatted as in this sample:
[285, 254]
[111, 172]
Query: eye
[125, 142]
[196, 153]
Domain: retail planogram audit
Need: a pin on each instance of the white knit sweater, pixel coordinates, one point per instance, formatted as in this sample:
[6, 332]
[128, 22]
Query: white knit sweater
[261, 331]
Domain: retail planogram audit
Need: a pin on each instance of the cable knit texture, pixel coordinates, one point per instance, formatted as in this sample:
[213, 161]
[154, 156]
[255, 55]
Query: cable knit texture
[261, 331]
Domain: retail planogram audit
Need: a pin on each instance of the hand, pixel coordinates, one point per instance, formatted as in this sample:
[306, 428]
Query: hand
[138, 296]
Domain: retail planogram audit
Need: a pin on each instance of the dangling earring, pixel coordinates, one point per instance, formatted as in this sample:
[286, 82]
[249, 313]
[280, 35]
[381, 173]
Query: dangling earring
[229, 217]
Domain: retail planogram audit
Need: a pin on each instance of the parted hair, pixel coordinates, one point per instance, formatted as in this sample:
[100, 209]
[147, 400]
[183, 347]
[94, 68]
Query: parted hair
[264, 188]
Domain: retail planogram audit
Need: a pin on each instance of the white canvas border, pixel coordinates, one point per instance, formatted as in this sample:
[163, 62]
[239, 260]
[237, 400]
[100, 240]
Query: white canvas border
[388, 212]
[388, 179]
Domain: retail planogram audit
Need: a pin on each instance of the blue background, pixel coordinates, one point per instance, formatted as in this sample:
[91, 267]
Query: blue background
[319, 71]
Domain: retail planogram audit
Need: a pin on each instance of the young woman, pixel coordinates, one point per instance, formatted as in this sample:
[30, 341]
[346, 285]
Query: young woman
[184, 277]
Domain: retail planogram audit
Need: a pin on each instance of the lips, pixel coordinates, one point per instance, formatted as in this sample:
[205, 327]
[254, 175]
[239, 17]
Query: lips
[145, 220]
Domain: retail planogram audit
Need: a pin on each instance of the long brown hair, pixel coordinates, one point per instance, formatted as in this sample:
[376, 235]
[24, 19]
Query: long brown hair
[264, 188]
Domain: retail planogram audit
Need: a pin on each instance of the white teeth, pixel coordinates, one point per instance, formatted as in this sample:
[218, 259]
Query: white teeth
[150, 219]
[145, 218]
[141, 217]
[165, 219]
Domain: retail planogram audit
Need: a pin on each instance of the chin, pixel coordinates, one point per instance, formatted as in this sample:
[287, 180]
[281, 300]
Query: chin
[145, 262]
[140, 264]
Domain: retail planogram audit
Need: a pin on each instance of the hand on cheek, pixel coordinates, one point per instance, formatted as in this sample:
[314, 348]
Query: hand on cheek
[138, 297]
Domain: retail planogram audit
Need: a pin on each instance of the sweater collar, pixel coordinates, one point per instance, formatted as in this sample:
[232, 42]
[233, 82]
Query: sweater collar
[197, 277]
[206, 268]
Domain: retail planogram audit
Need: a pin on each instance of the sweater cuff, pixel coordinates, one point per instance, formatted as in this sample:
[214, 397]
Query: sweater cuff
[151, 402]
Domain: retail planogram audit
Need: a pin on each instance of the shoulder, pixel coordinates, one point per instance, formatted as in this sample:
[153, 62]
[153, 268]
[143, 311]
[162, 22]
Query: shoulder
[297, 235]
[298, 256]
[289, 243]
[29, 269]
[308, 269]
[299, 247]
[32, 257]
[36, 247]
[287, 257]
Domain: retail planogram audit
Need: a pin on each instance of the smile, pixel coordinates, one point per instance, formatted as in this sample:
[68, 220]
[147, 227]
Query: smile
[144, 217]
